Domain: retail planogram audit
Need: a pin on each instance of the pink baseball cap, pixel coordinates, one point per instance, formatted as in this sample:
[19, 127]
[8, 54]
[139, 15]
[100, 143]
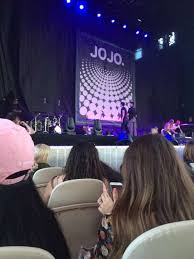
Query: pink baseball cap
[16, 151]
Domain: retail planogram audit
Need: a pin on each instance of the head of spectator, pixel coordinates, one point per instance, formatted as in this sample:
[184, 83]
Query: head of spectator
[157, 190]
[14, 116]
[189, 152]
[83, 162]
[17, 153]
[41, 153]
[110, 174]
[24, 220]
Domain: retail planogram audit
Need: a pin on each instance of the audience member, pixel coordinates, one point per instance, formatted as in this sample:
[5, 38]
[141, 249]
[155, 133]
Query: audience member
[110, 174]
[24, 219]
[188, 157]
[41, 157]
[16, 118]
[157, 190]
[83, 162]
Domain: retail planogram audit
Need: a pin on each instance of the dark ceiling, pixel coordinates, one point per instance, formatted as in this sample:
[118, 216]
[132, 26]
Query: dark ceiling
[157, 16]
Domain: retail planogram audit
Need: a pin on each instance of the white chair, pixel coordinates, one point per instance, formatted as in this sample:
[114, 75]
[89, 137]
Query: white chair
[22, 252]
[170, 241]
[43, 176]
[192, 166]
[75, 206]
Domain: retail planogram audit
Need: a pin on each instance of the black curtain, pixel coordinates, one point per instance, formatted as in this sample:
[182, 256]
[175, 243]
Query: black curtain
[9, 49]
[37, 54]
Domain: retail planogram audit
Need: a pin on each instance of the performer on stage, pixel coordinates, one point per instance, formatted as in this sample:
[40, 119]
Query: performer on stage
[132, 116]
[168, 133]
[177, 127]
[124, 125]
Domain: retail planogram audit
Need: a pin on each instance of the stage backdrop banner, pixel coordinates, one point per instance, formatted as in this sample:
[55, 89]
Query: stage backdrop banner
[104, 78]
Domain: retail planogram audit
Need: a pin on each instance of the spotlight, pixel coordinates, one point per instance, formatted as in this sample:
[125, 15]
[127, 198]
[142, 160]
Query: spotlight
[124, 26]
[58, 129]
[113, 21]
[99, 15]
[145, 35]
[68, 1]
[81, 7]
[137, 32]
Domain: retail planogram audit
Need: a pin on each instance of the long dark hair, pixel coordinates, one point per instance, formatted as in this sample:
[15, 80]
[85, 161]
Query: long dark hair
[26, 221]
[157, 190]
[189, 152]
[83, 162]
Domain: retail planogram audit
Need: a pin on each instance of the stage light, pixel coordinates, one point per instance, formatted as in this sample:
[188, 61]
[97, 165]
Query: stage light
[68, 1]
[137, 32]
[58, 129]
[99, 15]
[113, 21]
[81, 7]
[145, 35]
[124, 26]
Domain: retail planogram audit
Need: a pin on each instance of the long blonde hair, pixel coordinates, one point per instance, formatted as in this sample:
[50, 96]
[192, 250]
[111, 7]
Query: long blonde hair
[157, 190]
[41, 153]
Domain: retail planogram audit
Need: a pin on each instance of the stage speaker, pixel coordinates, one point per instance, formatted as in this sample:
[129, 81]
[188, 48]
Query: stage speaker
[97, 130]
[70, 126]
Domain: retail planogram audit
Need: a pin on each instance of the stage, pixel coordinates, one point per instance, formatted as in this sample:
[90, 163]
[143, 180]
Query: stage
[70, 140]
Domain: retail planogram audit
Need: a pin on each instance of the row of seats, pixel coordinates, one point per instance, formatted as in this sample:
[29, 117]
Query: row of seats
[170, 241]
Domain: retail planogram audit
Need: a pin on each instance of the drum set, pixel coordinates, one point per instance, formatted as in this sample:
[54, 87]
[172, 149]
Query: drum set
[47, 123]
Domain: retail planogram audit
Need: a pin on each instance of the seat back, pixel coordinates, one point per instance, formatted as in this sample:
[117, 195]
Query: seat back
[170, 241]
[22, 252]
[43, 176]
[75, 206]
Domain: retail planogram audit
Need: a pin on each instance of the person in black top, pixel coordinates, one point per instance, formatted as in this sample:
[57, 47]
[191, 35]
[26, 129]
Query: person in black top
[132, 115]
[124, 125]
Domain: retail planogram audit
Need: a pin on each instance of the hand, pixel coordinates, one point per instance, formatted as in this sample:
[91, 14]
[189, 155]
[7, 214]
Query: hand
[106, 203]
[30, 130]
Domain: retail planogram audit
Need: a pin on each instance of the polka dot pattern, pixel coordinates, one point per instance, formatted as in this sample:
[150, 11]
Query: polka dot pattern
[102, 88]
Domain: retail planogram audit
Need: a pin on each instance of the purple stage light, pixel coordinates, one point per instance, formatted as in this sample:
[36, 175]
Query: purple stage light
[68, 1]
[124, 26]
[137, 32]
[113, 21]
[99, 15]
[145, 35]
